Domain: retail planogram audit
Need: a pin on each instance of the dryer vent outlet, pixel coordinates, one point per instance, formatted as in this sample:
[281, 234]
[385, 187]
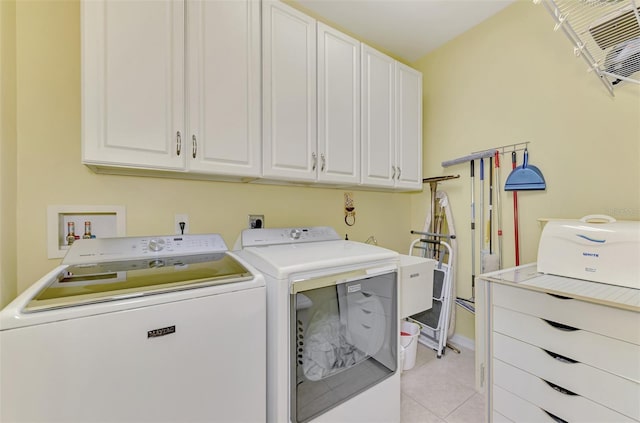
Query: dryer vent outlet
[256, 221]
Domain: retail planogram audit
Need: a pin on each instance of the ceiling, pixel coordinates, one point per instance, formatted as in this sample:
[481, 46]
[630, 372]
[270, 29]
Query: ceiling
[408, 29]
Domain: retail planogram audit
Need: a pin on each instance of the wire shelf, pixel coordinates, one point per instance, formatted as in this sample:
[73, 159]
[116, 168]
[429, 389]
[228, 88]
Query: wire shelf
[605, 33]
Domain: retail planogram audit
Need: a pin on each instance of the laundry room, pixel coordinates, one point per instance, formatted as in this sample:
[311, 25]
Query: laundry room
[506, 83]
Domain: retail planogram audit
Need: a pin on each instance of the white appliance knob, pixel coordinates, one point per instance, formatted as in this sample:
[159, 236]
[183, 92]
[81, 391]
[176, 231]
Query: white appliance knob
[295, 233]
[156, 244]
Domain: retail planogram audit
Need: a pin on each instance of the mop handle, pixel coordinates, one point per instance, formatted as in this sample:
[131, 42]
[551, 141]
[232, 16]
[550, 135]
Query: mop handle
[473, 199]
[473, 229]
[499, 209]
[482, 228]
[490, 205]
[515, 212]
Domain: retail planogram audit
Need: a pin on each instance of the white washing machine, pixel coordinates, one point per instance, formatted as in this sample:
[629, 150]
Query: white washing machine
[332, 325]
[146, 329]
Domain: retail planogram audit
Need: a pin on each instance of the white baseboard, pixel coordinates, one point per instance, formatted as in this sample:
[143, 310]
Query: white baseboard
[462, 341]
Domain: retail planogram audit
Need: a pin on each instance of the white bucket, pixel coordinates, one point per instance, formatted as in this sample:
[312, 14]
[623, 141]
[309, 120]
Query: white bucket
[409, 343]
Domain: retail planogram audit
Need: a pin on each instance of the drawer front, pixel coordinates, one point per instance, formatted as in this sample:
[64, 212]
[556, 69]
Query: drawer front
[565, 405]
[511, 408]
[620, 394]
[609, 321]
[609, 354]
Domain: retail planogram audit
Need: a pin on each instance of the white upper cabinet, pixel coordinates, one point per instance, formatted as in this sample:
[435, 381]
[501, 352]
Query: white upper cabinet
[133, 83]
[289, 93]
[409, 127]
[311, 99]
[148, 105]
[338, 106]
[378, 119]
[223, 39]
[243, 90]
[391, 123]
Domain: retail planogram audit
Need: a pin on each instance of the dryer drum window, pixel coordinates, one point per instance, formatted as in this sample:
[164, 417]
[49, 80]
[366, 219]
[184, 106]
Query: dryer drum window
[343, 341]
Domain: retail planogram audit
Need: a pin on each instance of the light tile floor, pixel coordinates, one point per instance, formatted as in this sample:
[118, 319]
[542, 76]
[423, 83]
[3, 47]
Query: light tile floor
[441, 390]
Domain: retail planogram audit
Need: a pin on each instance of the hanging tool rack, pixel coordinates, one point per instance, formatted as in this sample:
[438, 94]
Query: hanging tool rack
[484, 154]
[605, 33]
[491, 153]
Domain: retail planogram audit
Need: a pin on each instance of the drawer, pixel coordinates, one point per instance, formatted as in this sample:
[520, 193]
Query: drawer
[609, 354]
[511, 408]
[609, 321]
[620, 394]
[565, 405]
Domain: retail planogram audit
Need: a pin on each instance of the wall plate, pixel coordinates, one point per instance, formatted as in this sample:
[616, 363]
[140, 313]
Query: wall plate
[256, 221]
[106, 221]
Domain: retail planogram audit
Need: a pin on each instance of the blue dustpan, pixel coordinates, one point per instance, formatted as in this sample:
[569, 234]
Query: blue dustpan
[525, 178]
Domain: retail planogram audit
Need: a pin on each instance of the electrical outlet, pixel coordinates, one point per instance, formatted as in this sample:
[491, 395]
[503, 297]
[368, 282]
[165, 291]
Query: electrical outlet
[256, 221]
[178, 221]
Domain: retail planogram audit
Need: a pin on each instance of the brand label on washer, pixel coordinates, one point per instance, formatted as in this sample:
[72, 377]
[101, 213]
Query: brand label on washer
[161, 332]
[354, 288]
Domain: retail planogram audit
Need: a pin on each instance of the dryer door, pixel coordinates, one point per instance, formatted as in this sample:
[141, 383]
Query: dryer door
[344, 335]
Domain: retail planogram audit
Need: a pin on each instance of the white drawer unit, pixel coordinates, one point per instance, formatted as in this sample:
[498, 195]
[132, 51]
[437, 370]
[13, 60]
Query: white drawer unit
[549, 354]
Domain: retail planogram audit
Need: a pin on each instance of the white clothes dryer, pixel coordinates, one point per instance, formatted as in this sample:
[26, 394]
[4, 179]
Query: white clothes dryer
[140, 329]
[332, 325]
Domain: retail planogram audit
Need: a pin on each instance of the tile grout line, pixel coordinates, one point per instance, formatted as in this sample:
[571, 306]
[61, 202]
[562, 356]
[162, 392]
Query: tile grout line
[426, 408]
[460, 406]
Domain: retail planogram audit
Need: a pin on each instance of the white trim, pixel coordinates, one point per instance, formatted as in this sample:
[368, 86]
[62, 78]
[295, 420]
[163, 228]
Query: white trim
[462, 341]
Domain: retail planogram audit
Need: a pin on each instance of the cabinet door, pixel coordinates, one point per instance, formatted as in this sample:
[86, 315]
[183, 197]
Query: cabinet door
[289, 93]
[223, 42]
[409, 127]
[133, 83]
[338, 106]
[378, 119]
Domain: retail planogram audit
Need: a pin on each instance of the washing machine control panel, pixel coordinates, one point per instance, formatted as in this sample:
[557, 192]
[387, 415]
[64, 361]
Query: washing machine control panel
[277, 236]
[129, 248]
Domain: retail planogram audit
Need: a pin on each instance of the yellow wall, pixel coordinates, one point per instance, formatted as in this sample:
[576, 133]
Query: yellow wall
[8, 145]
[513, 79]
[49, 170]
[295, 4]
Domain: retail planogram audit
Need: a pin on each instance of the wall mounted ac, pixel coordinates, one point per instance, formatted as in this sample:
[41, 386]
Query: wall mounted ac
[605, 33]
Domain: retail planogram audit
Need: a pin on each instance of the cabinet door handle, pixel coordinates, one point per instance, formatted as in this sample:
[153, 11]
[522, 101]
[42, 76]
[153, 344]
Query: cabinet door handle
[195, 146]
[555, 418]
[323, 161]
[559, 389]
[560, 297]
[560, 358]
[394, 172]
[399, 172]
[560, 326]
[178, 143]
[315, 161]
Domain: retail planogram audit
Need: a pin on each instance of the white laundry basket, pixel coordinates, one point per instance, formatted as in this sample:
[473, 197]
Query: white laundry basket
[409, 343]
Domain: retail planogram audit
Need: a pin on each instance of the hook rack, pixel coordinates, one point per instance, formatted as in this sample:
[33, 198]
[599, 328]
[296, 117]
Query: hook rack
[520, 146]
[510, 147]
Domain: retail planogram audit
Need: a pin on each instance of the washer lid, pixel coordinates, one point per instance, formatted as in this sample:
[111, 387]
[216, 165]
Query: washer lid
[280, 261]
[83, 284]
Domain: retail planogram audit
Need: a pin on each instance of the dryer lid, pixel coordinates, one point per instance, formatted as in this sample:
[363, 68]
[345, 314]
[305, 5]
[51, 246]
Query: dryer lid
[281, 261]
